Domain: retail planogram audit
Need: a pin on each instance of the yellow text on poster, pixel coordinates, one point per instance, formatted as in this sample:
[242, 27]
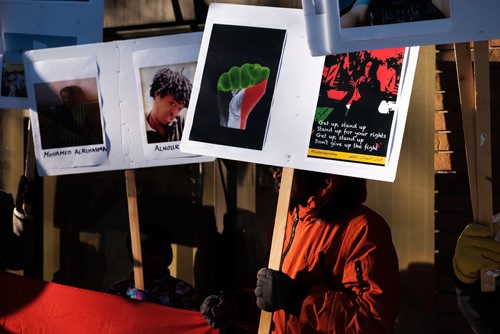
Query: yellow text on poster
[356, 157]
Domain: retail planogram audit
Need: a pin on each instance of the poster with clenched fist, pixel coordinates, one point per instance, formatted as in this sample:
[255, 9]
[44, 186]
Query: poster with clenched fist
[238, 85]
[259, 96]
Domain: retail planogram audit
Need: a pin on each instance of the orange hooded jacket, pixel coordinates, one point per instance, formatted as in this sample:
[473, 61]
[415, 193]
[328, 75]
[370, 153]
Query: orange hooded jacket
[348, 262]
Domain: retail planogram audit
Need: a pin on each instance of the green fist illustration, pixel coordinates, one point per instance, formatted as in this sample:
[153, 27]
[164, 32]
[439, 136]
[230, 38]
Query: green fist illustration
[242, 77]
[239, 90]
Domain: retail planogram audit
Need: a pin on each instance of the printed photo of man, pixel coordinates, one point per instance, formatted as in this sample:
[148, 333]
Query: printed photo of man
[170, 92]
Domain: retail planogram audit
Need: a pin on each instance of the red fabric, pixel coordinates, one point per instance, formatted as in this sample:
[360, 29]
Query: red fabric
[32, 306]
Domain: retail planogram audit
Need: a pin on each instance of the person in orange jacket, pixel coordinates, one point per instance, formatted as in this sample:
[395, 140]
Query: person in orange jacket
[339, 268]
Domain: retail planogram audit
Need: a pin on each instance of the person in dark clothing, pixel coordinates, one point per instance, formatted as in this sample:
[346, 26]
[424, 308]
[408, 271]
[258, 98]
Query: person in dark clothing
[6, 207]
[170, 92]
[160, 286]
[17, 219]
[367, 97]
[475, 250]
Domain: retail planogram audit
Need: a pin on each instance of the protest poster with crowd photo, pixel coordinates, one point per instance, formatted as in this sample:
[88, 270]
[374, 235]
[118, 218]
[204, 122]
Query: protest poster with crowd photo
[87, 108]
[357, 103]
[360, 98]
[36, 24]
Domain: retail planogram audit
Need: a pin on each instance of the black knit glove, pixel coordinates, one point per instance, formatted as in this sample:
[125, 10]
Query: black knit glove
[24, 196]
[275, 290]
[219, 311]
[23, 207]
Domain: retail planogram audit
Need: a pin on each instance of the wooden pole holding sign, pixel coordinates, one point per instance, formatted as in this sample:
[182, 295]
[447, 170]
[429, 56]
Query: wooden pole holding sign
[483, 134]
[135, 238]
[278, 237]
[483, 148]
[29, 165]
[473, 82]
[466, 89]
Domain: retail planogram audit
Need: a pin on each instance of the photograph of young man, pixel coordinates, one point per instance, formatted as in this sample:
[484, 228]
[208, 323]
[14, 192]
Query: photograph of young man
[170, 91]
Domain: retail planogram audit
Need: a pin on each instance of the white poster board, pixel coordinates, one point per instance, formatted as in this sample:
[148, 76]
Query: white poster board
[398, 23]
[103, 126]
[37, 24]
[274, 124]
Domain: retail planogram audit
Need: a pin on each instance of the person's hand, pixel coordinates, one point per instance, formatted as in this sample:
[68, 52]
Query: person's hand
[219, 311]
[475, 250]
[24, 202]
[24, 196]
[276, 290]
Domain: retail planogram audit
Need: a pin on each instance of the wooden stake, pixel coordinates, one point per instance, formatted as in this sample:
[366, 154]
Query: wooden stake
[29, 166]
[467, 100]
[278, 237]
[483, 135]
[475, 101]
[483, 148]
[133, 214]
